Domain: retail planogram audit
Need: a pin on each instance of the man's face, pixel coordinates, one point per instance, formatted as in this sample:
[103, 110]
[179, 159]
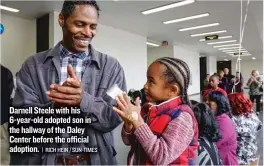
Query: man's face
[213, 81]
[79, 28]
[226, 71]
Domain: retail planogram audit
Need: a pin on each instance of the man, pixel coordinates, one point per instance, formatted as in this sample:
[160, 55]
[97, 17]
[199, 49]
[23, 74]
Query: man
[7, 86]
[213, 86]
[44, 81]
[230, 79]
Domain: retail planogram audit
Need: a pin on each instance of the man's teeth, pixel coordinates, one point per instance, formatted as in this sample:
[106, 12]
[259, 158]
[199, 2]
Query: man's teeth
[83, 41]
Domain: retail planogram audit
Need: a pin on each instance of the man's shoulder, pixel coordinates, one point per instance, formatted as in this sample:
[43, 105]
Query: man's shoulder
[37, 58]
[105, 60]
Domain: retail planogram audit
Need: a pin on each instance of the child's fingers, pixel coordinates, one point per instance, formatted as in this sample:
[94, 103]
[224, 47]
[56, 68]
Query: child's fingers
[119, 111]
[127, 99]
[120, 104]
[137, 102]
[122, 100]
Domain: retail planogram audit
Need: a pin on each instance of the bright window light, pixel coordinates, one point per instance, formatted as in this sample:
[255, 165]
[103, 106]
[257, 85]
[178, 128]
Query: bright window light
[186, 18]
[166, 7]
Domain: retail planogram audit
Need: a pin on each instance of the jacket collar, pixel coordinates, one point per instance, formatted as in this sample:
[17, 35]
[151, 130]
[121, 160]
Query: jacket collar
[56, 52]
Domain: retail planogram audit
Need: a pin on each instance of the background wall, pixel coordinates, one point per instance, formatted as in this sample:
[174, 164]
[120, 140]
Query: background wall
[247, 66]
[193, 61]
[158, 52]
[211, 65]
[55, 32]
[129, 49]
[18, 41]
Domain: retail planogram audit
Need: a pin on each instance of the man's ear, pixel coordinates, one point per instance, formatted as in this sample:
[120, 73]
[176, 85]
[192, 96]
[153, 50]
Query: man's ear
[61, 20]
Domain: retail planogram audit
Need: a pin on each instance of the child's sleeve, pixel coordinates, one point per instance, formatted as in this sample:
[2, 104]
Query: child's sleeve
[126, 136]
[172, 143]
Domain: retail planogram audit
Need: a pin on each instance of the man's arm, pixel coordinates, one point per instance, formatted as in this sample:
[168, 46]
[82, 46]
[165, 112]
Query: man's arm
[101, 108]
[26, 94]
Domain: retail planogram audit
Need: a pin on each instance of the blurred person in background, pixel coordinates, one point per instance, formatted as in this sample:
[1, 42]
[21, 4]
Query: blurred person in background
[223, 81]
[247, 125]
[7, 86]
[209, 134]
[255, 83]
[227, 145]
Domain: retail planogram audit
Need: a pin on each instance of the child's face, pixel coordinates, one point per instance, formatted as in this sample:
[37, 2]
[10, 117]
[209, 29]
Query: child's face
[156, 88]
[214, 82]
[212, 105]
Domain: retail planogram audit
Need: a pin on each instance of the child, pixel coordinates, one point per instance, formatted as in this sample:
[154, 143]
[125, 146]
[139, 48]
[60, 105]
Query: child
[228, 144]
[167, 132]
[213, 86]
[247, 126]
[209, 134]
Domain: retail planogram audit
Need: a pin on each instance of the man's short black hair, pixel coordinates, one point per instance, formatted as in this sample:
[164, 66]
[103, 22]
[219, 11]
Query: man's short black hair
[69, 6]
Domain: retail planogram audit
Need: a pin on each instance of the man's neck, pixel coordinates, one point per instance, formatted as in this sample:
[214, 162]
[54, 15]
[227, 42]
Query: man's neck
[70, 50]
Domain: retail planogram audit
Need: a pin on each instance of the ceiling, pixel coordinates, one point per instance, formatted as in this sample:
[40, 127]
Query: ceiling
[129, 18]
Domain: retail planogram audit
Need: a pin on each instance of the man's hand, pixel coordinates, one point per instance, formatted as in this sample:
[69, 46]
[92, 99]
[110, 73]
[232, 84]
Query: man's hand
[69, 93]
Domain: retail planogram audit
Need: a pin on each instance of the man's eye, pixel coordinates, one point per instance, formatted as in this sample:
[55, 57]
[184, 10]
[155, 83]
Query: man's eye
[93, 27]
[78, 24]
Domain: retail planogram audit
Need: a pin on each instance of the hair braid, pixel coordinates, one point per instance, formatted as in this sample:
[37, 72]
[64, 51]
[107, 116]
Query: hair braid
[177, 72]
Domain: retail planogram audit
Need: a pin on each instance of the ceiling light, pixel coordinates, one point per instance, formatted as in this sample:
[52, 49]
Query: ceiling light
[222, 37]
[221, 42]
[253, 58]
[225, 59]
[239, 59]
[152, 44]
[8, 8]
[243, 54]
[234, 50]
[226, 45]
[208, 33]
[199, 27]
[186, 18]
[166, 7]
[228, 48]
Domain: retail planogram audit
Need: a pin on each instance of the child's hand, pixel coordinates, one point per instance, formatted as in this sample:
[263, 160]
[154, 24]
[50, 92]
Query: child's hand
[126, 109]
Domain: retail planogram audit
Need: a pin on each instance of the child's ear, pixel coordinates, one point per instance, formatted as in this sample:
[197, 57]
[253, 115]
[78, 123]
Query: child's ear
[174, 90]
